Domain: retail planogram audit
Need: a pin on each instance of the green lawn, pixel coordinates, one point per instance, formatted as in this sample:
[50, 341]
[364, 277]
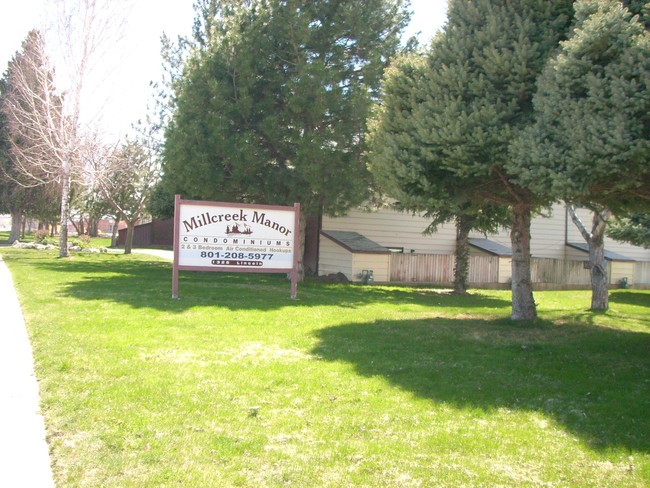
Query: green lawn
[235, 384]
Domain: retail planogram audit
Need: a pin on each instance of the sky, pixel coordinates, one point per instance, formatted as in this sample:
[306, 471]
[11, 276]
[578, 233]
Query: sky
[121, 95]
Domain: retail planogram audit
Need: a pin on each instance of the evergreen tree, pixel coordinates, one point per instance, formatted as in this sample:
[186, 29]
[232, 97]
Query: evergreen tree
[33, 127]
[635, 229]
[272, 103]
[404, 169]
[477, 99]
[590, 144]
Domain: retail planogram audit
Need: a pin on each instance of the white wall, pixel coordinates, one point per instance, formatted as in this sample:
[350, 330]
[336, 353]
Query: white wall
[390, 228]
[333, 258]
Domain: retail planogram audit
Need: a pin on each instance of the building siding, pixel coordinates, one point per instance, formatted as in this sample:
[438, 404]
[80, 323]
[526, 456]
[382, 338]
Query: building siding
[334, 259]
[548, 232]
[621, 269]
[396, 229]
[379, 264]
[429, 258]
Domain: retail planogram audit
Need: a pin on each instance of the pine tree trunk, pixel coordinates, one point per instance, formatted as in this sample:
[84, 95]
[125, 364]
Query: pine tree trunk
[596, 242]
[461, 265]
[16, 221]
[599, 291]
[523, 302]
[301, 247]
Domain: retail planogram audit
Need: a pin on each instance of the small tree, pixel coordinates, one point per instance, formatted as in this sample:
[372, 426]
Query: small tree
[125, 178]
[44, 125]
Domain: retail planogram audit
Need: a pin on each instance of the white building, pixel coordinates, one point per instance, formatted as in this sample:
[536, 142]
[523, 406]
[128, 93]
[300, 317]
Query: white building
[392, 246]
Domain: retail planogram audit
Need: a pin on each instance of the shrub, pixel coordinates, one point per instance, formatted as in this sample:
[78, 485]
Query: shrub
[41, 235]
[52, 241]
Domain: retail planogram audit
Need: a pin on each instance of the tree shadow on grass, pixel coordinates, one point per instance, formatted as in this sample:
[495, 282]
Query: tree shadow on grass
[593, 380]
[630, 297]
[145, 282]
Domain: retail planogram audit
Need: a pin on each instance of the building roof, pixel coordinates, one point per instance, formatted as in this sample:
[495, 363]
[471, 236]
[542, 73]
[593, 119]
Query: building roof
[355, 242]
[491, 247]
[611, 256]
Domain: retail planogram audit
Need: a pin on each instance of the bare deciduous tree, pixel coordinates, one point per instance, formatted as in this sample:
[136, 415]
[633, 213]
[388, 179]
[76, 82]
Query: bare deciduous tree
[45, 123]
[42, 140]
[125, 176]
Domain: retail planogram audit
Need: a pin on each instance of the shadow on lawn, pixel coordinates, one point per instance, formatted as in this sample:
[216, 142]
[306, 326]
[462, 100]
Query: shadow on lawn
[630, 297]
[142, 282]
[592, 380]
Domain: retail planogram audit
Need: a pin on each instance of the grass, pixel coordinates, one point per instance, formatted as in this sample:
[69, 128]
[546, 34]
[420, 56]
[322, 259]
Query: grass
[235, 384]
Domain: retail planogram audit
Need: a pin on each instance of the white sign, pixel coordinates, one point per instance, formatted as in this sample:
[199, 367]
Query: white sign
[217, 236]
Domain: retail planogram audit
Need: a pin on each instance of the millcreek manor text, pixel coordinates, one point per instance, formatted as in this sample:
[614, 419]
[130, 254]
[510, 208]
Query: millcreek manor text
[257, 218]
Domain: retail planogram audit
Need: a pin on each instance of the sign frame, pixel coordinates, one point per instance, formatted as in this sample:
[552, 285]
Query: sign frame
[295, 242]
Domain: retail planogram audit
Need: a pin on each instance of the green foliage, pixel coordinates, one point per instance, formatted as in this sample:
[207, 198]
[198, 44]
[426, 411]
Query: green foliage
[402, 156]
[442, 139]
[160, 203]
[272, 103]
[634, 229]
[406, 169]
[81, 241]
[591, 142]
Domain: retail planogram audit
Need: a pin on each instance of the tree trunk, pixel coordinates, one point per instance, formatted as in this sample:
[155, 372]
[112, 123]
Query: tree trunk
[130, 230]
[461, 265]
[93, 224]
[16, 221]
[523, 302]
[598, 267]
[115, 231]
[301, 247]
[76, 226]
[65, 196]
[599, 292]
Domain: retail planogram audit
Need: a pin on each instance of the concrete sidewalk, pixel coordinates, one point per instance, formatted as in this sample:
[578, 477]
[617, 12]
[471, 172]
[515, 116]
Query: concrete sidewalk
[24, 454]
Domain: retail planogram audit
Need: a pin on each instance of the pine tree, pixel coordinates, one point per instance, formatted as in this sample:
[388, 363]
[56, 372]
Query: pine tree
[272, 103]
[480, 80]
[590, 144]
[400, 159]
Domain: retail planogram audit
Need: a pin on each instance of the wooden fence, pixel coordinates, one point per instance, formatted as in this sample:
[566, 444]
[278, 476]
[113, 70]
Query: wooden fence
[156, 233]
[560, 271]
[421, 268]
[438, 268]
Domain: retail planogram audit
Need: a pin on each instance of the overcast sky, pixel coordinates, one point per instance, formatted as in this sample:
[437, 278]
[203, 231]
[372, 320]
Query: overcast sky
[125, 91]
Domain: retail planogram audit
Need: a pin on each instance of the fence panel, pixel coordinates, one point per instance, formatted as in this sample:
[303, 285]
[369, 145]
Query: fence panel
[422, 268]
[483, 269]
[546, 270]
[439, 268]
